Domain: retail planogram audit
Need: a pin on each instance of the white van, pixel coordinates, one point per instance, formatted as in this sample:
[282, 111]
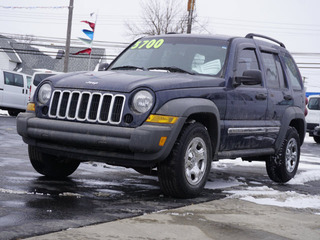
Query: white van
[14, 91]
[313, 117]
[37, 78]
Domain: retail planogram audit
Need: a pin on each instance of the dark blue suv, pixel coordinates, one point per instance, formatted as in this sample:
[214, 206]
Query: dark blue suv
[171, 104]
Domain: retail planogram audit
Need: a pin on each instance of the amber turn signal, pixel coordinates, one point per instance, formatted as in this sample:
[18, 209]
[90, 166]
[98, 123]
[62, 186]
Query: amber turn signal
[31, 107]
[162, 119]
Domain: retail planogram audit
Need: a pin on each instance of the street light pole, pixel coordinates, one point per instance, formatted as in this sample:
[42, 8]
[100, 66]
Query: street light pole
[66, 57]
[190, 9]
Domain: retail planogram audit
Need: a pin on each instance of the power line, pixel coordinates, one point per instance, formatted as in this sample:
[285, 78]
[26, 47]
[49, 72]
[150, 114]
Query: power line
[40, 40]
[235, 21]
[54, 54]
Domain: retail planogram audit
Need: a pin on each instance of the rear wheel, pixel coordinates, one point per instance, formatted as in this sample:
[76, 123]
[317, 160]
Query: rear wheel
[316, 139]
[283, 166]
[50, 165]
[184, 173]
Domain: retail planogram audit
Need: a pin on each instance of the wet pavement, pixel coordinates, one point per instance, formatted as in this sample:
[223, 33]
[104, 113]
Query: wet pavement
[31, 204]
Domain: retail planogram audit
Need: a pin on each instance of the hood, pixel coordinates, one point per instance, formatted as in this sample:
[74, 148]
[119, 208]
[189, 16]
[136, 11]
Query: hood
[126, 81]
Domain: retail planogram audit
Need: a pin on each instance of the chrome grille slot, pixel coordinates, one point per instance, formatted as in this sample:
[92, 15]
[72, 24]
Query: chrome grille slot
[104, 112]
[94, 105]
[73, 105]
[117, 108]
[63, 104]
[54, 103]
[87, 106]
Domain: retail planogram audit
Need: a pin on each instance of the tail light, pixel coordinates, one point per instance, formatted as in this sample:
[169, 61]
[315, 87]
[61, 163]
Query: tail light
[305, 109]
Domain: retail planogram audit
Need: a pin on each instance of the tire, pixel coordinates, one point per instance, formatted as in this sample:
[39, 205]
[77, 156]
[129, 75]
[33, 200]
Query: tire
[283, 166]
[50, 165]
[316, 139]
[184, 173]
[13, 113]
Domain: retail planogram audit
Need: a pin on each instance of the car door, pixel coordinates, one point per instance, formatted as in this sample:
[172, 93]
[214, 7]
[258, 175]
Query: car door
[14, 91]
[279, 95]
[246, 107]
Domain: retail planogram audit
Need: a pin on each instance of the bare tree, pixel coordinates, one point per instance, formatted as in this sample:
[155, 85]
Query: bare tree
[161, 17]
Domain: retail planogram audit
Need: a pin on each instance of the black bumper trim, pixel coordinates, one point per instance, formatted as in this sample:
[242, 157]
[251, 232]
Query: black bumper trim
[92, 142]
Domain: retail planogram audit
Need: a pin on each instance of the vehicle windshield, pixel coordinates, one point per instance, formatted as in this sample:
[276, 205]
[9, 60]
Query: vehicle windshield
[314, 103]
[174, 54]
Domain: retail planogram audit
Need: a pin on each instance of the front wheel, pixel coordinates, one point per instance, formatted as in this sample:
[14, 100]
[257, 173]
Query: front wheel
[13, 113]
[50, 165]
[184, 173]
[283, 166]
[316, 139]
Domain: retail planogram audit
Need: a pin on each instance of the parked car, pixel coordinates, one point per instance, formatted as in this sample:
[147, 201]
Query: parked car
[14, 91]
[313, 117]
[173, 103]
[37, 77]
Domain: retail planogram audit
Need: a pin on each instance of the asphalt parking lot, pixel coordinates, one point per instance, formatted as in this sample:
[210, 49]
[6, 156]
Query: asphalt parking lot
[32, 205]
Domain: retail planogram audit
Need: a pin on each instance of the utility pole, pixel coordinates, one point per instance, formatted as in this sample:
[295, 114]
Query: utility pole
[66, 57]
[190, 10]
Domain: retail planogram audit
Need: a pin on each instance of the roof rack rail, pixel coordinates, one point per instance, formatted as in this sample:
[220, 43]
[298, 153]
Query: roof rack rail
[251, 35]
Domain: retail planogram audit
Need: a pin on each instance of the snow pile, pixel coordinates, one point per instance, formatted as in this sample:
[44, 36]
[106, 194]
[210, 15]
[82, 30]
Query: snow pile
[3, 190]
[222, 184]
[3, 112]
[304, 177]
[268, 196]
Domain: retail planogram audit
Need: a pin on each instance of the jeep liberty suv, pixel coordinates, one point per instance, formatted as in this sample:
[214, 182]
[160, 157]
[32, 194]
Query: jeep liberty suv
[172, 104]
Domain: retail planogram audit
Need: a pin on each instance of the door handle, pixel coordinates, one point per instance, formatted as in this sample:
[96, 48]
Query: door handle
[287, 97]
[261, 96]
[22, 91]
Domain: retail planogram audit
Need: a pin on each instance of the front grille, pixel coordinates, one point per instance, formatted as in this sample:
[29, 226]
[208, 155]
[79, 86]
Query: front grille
[87, 106]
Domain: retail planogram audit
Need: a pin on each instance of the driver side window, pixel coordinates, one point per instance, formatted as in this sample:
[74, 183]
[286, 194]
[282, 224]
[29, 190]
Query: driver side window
[247, 60]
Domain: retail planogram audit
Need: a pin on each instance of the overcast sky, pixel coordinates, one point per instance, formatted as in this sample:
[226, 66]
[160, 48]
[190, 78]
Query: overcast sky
[294, 22]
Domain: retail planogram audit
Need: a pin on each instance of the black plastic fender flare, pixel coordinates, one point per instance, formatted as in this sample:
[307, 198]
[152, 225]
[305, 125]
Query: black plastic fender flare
[186, 107]
[291, 114]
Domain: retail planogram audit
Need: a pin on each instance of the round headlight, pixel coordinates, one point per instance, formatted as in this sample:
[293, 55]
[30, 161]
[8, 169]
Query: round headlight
[44, 93]
[142, 101]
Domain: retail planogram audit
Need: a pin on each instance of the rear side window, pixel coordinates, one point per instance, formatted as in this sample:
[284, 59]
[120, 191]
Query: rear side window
[274, 74]
[314, 104]
[13, 79]
[292, 73]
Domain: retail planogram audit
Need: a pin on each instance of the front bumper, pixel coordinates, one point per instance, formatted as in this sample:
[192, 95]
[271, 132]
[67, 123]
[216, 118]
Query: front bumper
[130, 147]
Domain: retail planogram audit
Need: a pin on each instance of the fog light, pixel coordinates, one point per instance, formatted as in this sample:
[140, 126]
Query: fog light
[45, 110]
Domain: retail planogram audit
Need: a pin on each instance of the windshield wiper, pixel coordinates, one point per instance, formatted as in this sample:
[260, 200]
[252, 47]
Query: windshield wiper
[171, 69]
[128, 67]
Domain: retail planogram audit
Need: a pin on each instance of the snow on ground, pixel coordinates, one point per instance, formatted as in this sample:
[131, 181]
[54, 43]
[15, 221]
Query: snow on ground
[3, 112]
[268, 196]
[308, 171]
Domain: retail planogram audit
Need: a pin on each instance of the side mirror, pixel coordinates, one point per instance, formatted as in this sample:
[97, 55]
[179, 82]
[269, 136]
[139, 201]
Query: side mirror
[249, 77]
[103, 66]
